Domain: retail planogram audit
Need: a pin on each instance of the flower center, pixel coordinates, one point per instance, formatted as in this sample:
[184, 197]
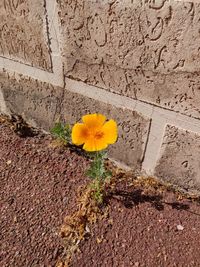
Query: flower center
[98, 135]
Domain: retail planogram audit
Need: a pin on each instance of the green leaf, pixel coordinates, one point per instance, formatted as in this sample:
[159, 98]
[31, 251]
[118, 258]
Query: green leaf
[62, 131]
[57, 129]
[91, 174]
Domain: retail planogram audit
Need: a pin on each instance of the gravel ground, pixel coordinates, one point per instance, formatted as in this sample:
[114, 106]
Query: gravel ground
[144, 230]
[38, 188]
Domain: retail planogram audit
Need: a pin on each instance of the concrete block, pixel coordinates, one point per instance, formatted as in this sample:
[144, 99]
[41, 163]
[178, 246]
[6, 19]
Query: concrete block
[133, 127]
[23, 33]
[179, 162]
[37, 102]
[146, 50]
[3, 108]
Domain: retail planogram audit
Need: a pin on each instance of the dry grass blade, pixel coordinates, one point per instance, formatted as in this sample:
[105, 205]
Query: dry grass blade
[76, 226]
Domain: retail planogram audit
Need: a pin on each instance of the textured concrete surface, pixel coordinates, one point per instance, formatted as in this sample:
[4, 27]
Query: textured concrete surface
[142, 49]
[37, 102]
[23, 32]
[179, 163]
[3, 107]
[179, 92]
[133, 127]
[133, 34]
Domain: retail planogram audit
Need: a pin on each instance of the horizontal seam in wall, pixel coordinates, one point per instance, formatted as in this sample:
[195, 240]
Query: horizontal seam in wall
[146, 109]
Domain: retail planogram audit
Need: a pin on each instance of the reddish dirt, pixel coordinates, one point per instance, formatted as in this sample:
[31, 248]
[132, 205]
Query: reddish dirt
[38, 185]
[144, 229]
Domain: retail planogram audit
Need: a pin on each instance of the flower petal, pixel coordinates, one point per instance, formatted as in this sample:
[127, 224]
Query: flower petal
[110, 131]
[95, 145]
[101, 144]
[90, 145]
[79, 134]
[94, 120]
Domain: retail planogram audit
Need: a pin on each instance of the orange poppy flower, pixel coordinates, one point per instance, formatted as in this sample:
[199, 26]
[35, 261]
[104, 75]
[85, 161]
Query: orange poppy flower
[94, 133]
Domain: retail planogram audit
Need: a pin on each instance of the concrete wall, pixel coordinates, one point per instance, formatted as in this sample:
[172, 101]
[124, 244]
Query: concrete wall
[137, 61]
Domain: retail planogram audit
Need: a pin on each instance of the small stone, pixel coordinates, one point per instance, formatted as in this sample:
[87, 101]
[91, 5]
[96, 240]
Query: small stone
[179, 227]
[87, 229]
[99, 240]
[8, 162]
[65, 200]
[110, 222]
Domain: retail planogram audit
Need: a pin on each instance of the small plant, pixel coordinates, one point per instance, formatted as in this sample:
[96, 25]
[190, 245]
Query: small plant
[62, 132]
[95, 134]
[98, 174]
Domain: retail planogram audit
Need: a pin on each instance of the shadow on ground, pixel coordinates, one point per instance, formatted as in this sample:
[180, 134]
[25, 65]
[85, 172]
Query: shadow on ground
[137, 196]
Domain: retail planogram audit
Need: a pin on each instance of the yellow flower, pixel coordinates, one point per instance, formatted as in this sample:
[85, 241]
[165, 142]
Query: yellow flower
[95, 133]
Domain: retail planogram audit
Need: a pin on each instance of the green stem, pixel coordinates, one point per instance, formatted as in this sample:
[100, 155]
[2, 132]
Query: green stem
[98, 160]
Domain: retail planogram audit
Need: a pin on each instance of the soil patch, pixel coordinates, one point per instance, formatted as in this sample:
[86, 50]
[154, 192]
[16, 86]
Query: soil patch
[38, 189]
[145, 226]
